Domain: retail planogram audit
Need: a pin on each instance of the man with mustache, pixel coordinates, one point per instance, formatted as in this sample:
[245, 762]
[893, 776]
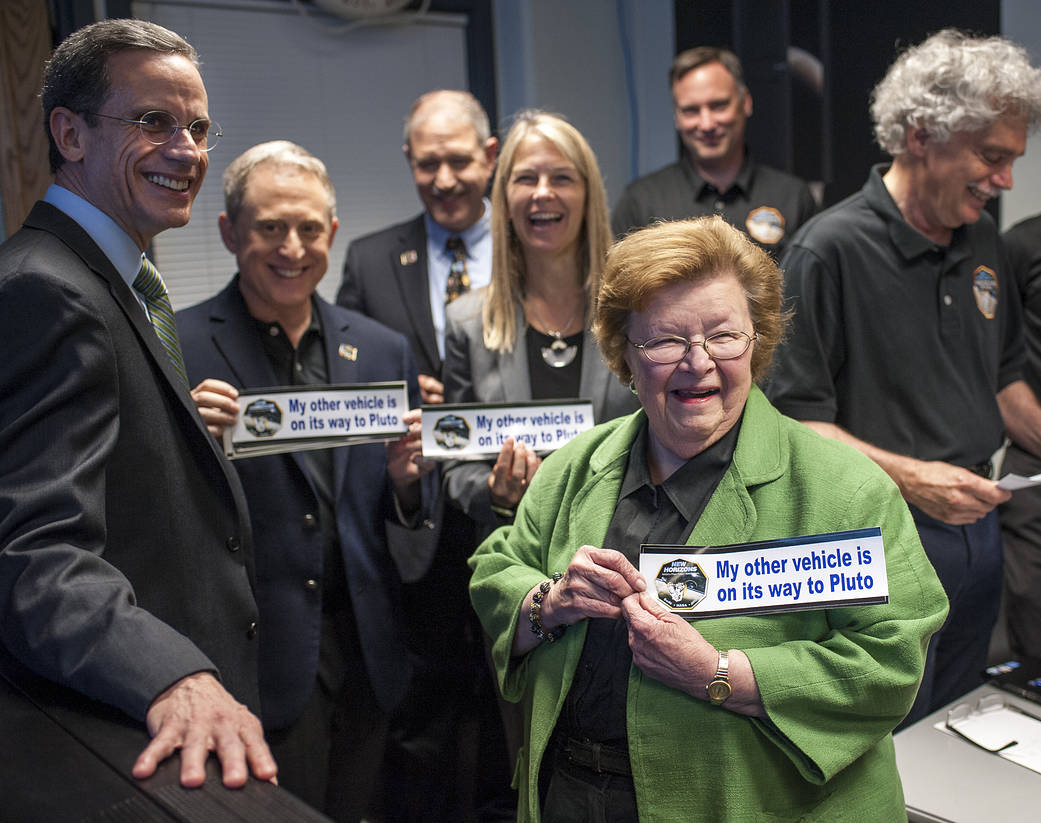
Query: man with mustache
[400, 275]
[404, 276]
[717, 174]
[907, 338]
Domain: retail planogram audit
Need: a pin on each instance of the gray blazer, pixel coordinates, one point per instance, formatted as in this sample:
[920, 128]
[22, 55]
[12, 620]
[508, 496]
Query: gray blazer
[474, 374]
[125, 546]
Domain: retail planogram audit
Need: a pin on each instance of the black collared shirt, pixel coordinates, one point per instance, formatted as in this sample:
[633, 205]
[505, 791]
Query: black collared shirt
[645, 513]
[1023, 245]
[306, 366]
[765, 203]
[901, 341]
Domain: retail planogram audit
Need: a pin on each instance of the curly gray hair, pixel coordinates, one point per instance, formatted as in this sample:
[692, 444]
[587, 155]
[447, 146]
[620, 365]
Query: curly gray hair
[952, 82]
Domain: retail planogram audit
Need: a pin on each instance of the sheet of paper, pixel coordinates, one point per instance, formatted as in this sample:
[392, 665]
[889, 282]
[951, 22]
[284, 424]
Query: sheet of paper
[817, 571]
[297, 418]
[1002, 729]
[1026, 754]
[1017, 481]
[472, 431]
[996, 729]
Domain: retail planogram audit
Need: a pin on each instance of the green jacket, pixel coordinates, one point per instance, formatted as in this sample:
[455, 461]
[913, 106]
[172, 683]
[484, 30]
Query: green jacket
[834, 682]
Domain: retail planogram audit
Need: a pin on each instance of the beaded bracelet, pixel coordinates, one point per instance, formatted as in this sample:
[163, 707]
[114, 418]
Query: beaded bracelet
[535, 612]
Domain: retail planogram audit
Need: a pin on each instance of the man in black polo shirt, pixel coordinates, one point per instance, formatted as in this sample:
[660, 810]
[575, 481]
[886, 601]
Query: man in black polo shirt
[716, 175]
[906, 339]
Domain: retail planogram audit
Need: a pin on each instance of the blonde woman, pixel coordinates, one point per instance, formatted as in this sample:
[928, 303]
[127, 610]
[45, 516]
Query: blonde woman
[526, 336]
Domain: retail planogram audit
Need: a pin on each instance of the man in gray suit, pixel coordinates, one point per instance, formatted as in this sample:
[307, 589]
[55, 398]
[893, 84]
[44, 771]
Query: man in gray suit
[125, 547]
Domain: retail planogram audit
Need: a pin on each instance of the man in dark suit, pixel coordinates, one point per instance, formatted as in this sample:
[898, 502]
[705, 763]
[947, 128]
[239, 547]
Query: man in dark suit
[114, 503]
[333, 662]
[403, 277]
[399, 275]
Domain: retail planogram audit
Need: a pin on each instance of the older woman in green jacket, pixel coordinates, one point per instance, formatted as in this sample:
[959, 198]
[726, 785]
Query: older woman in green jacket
[622, 723]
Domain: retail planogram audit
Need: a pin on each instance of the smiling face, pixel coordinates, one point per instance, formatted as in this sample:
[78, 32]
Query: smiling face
[451, 168]
[280, 239]
[693, 403]
[546, 196]
[145, 188]
[711, 112]
[961, 175]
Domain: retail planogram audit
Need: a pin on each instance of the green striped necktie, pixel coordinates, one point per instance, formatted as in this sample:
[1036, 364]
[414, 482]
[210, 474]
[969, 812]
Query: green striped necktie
[149, 284]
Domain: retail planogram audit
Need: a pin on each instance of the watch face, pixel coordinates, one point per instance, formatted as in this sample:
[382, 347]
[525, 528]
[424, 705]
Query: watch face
[718, 690]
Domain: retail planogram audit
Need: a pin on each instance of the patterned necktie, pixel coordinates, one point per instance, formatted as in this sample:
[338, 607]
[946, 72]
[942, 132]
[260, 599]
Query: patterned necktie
[458, 280]
[149, 284]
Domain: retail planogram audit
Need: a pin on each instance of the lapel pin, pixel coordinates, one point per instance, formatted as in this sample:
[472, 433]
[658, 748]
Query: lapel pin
[409, 257]
[348, 352]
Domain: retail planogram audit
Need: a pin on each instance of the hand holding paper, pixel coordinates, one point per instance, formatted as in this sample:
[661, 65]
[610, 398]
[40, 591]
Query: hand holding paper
[405, 463]
[431, 390]
[673, 652]
[949, 493]
[667, 647]
[217, 405]
[594, 585]
[512, 473]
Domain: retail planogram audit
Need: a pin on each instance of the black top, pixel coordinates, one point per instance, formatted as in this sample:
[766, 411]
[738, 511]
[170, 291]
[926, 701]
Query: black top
[305, 366]
[645, 513]
[1023, 246]
[550, 382]
[765, 203]
[902, 342]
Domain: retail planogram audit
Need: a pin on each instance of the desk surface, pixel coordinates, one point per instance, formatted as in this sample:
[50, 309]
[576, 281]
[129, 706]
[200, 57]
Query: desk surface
[66, 759]
[949, 780]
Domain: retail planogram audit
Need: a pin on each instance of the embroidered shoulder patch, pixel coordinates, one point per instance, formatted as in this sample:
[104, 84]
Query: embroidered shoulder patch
[985, 290]
[765, 225]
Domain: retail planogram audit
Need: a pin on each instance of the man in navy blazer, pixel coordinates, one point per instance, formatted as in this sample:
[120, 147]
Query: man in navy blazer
[125, 548]
[333, 658]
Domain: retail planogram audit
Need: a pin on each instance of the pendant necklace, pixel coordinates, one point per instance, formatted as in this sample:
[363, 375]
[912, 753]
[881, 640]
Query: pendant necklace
[558, 353]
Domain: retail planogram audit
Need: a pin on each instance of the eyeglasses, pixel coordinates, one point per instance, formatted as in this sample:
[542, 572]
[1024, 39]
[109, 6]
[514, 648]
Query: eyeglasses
[159, 127]
[726, 345]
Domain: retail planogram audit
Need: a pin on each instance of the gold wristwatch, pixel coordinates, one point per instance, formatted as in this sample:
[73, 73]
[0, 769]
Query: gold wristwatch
[719, 688]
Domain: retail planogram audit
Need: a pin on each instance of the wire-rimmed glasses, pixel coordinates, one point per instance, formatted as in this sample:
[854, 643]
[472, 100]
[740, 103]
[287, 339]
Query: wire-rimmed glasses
[724, 345]
[159, 127]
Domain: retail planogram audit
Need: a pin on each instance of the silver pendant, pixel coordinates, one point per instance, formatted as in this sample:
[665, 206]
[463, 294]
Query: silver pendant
[559, 354]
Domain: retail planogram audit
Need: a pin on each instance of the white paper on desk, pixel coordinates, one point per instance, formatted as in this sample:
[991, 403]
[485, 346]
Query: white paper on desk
[1017, 481]
[997, 728]
[1006, 731]
[1025, 754]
